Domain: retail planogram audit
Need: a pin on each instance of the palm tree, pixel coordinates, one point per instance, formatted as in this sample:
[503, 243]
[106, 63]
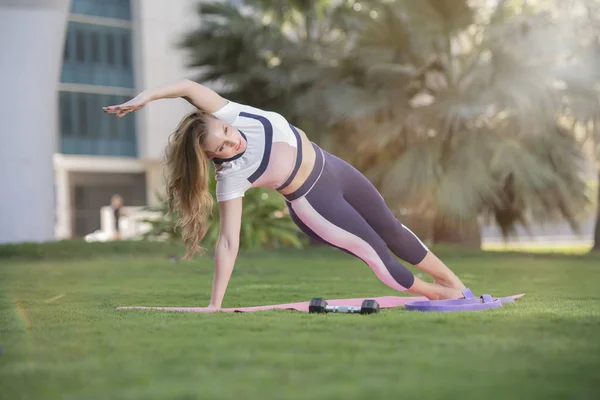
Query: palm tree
[263, 52]
[455, 114]
[452, 111]
[581, 25]
[591, 117]
[596, 246]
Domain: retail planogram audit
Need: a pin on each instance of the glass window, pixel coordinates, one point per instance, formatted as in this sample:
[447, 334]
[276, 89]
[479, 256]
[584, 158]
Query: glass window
[126, 51]
[66, 50]
[100, 54]
[110, 49]
[86, 129]
[113, 125]
[93, 111]
[82, 114]
[95, 47]
[79, 46]
[130, 123]
[103, 56]
[117, 9]
[66, 123]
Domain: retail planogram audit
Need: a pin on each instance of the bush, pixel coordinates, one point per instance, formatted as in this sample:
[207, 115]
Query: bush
[265, 222]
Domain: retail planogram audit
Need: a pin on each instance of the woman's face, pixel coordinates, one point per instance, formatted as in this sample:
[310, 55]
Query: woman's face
[222, 140]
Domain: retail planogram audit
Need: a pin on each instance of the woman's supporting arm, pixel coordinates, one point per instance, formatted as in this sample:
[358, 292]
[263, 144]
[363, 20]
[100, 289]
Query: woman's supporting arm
[227, 248]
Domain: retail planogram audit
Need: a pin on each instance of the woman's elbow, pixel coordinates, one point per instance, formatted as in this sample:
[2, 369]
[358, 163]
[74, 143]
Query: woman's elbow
[229, 244]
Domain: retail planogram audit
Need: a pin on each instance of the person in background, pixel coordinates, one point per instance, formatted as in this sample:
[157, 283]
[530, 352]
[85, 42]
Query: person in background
[116, 203]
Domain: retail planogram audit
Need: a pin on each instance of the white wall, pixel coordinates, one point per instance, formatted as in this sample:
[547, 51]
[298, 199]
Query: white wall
[31, 43]
[158, 26]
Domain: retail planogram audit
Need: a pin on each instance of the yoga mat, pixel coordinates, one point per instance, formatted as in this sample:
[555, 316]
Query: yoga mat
[469, 303]
[384, 302]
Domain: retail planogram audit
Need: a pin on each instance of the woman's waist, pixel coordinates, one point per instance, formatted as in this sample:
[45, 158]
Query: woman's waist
[308, 154]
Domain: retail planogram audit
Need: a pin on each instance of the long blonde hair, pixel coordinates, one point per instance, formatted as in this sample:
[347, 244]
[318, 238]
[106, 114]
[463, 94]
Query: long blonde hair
[188, 174]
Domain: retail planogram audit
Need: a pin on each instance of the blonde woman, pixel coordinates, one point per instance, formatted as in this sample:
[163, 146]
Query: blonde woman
[327, 198]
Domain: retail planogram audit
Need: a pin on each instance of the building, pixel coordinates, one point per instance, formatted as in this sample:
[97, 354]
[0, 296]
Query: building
[62, 156]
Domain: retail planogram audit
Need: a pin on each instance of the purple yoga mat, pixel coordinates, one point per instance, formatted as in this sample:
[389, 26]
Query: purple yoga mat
[384, 302]
[469, 303]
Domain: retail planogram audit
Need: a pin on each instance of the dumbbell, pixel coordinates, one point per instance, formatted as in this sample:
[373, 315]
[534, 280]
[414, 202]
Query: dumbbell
[319, 305]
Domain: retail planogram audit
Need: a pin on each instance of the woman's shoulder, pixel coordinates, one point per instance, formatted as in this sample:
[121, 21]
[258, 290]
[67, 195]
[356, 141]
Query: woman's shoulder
[236, 113]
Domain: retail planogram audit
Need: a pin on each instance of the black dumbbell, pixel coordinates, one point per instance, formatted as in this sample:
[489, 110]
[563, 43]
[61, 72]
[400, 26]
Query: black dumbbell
[319, 305]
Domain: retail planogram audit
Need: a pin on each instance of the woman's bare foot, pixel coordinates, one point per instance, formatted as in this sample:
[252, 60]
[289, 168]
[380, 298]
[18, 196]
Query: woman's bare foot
[441, 274]
[453, 285]
[451, 293]
[434, 291]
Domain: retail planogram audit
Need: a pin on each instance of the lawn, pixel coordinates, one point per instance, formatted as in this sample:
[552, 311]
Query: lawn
[62, 338]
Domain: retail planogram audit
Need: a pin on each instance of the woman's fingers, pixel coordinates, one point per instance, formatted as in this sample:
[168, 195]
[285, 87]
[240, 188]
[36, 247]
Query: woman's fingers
[112, 109]
[122, 109]
[130, 106]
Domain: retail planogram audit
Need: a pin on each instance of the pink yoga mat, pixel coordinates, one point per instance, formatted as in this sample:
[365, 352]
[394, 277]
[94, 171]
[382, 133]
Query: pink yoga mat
[384, 302]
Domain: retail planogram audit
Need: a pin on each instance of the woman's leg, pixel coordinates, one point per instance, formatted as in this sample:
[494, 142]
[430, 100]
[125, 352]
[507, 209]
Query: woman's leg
[359, 192]
[337, 224]
[442, 275]
[321, 211]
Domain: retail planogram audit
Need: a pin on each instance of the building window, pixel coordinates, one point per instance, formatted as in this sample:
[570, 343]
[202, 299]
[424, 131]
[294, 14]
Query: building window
[116, 9]
[66, 122]
[67, 51]
[86, 129]
[112, 126]
[110, 49]
[97, 52]
[79, 46]
[82, 116]
[126, 51]
[103, 56]
[95, 47]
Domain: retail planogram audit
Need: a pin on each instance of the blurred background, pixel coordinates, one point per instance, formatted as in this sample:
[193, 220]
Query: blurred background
[478, 120]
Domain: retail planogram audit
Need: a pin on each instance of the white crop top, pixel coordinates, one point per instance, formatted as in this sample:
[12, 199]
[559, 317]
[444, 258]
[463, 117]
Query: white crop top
[273, 152]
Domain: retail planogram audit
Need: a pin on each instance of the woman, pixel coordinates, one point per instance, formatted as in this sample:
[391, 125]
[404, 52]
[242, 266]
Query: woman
[327, 198]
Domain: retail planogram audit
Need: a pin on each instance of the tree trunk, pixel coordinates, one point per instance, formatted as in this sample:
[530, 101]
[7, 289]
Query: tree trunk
[467, 234]
[597, 230]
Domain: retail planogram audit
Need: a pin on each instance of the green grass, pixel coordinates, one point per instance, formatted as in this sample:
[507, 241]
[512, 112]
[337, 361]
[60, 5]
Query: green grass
[63, 339]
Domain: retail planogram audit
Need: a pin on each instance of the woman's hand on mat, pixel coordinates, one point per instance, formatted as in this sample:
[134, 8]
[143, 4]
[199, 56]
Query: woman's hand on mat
[133, 105]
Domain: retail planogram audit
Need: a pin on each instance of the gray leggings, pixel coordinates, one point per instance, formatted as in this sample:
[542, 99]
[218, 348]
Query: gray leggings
[339, 206]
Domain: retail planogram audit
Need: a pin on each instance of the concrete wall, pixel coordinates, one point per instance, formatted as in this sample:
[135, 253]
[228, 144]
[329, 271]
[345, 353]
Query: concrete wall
[31, 38]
